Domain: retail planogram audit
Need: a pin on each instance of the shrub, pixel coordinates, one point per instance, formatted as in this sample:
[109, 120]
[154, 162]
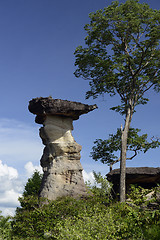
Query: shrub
[5, 227]
[94, 217]
[33, 184]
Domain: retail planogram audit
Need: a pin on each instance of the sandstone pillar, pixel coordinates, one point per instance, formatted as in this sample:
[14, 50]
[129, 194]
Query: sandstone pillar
[61, 156]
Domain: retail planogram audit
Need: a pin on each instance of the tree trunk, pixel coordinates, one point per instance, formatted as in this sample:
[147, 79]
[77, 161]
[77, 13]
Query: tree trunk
[124, 138]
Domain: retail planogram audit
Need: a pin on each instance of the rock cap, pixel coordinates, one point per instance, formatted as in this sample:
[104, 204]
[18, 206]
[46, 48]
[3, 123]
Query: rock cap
[136, 175]
[49, 106]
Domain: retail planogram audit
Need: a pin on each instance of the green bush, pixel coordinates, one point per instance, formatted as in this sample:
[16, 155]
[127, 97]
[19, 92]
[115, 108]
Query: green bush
[32, 221]
[98, 225]
[101, 187]
[90, 218]
[118, 221]
[68, 218]
[5, 227]
[33, 184]
[139, 195]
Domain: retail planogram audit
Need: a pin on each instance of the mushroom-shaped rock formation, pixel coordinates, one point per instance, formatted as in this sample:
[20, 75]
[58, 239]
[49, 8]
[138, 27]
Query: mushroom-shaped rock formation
[61, 156]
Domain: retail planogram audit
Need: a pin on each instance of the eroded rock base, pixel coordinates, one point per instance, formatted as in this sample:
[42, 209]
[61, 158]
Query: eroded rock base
[60, 160]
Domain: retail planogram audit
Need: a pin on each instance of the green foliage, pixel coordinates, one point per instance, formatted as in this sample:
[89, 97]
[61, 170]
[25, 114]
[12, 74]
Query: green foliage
[35, 219]
[122, 52]
[32, 186]
[138, 195]
[87, 219]
[29, 197]
[38, 221]
[30, 208]
[148, 218]
[101, 188]
[105, 150]
[5, 227]
[94, 217]
[118, 221]
[98, 225]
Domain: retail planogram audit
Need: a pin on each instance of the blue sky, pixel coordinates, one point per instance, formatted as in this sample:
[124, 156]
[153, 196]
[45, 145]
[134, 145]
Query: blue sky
[37, 43]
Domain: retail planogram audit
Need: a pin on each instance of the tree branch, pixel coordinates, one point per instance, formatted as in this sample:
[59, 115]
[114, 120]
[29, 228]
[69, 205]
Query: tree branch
[136, 40]
[111, 164]
[127, 53]
[142, 92]
[132, 156]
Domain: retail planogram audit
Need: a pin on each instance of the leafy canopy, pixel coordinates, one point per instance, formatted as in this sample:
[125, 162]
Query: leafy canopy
[107, 150]
[122, 52]
[32, 186]
[31, 191]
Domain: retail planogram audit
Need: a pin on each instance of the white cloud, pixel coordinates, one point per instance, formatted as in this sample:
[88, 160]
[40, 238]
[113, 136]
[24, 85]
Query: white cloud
[9, 211]
[10, 172]
[88, 177]
[30, 168]
[8, 177]
[10, 188]
[10, 198]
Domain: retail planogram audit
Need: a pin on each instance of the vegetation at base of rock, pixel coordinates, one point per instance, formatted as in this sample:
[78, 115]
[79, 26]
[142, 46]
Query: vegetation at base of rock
[97, 216]
[33, 184]
[89, 218]
[101, 189]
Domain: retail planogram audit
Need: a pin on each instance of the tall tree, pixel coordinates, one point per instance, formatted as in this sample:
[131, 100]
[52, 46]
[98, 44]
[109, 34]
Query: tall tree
[122, 57]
